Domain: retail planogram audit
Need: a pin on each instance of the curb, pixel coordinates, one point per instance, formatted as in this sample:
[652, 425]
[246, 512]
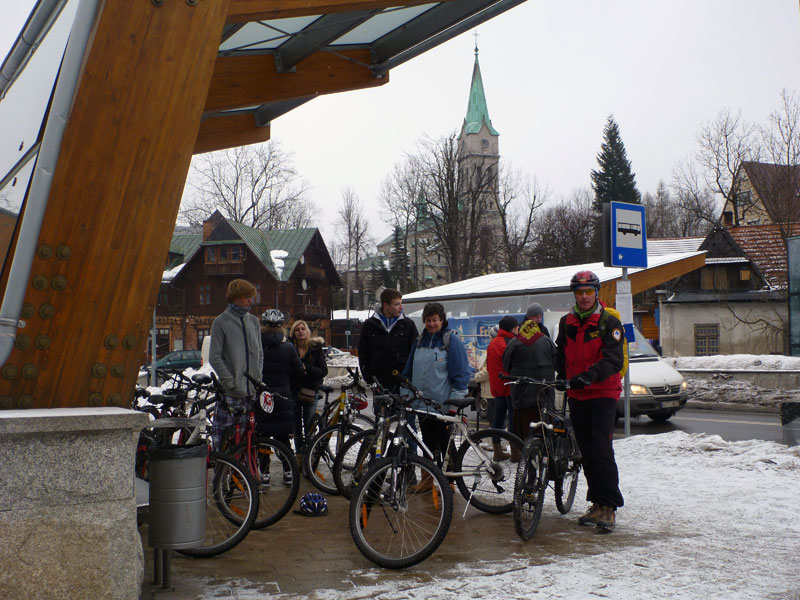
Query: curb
[733, 407]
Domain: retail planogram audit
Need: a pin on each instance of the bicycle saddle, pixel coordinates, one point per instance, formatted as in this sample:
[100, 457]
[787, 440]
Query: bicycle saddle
[326, 389]
[460, 402]
[201, 378]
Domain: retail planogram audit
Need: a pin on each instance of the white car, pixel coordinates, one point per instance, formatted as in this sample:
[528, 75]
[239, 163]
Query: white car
[657, 389]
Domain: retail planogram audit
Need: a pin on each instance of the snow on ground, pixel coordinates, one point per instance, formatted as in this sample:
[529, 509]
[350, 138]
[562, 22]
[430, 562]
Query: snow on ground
[703, 518]
[736, 361]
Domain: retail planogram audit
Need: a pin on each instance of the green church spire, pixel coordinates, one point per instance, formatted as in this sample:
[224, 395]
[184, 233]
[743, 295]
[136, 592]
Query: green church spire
[477, 111]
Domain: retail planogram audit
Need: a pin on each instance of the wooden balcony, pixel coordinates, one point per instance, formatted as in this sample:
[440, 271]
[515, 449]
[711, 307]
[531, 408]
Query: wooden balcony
[234, 268]
[310, 272]
[309, 311]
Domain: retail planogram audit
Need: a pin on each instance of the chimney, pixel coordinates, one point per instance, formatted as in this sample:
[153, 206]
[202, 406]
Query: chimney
[208, 227]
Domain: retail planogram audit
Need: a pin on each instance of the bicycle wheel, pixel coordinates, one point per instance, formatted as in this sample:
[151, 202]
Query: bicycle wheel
[321, 453]
[394, 524]
[352, 461]
[231, 505]
[529, 489]
[489, 486]
[566, 485]
[362, 422]
[275, 470]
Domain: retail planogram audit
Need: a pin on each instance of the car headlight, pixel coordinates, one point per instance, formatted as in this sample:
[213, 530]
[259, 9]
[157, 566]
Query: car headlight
[684, 386]
[639, 390]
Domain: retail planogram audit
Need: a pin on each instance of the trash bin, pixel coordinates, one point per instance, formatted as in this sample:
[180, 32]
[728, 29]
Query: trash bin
[790, 422]
[177, 496]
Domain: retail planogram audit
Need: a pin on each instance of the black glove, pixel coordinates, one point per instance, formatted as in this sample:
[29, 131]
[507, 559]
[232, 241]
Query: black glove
[580, 381]
[561, 385]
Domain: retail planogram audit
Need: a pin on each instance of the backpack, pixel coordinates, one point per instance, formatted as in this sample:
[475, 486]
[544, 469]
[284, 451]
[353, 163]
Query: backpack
[445, 339]
[602, 325]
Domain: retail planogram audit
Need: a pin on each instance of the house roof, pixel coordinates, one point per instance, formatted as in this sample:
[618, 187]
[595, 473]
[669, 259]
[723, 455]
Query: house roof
[764, 246]
[657, 247]
[778, 186]
[261, 243]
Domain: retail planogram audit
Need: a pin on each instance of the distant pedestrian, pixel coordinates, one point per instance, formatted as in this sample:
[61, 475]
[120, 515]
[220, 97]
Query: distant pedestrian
[312, 354]
[235, 349]
[535, 313]
[508, 328]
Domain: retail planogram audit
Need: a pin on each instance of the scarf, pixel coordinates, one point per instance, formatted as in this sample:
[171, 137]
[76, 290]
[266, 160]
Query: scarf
[239, 311]
[583, 315]
[529, 333]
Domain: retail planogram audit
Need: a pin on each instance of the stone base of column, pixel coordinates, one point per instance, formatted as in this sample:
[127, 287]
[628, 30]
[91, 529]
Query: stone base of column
[67, 504]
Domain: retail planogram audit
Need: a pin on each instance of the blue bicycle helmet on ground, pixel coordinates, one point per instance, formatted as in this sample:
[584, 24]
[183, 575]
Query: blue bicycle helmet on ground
[313, 504]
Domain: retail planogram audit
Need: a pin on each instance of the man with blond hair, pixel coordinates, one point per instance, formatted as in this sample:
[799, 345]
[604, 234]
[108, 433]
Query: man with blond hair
[235, 349]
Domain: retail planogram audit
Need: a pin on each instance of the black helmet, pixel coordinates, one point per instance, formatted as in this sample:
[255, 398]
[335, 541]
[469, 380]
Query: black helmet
[584, 279]
[313, 504]
[272, 316]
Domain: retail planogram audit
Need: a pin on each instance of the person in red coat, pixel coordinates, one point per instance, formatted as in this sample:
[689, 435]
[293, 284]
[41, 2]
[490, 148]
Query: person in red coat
[502, 403]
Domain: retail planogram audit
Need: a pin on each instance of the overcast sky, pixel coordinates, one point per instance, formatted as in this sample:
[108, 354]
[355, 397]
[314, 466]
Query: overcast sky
[553, 72]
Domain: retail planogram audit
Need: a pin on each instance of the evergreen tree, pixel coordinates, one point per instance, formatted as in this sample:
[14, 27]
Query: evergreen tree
[400, 268]
[614, 180]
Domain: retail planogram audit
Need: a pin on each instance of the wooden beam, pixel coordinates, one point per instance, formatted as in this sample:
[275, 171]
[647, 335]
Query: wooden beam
[652, 277]
[113, 203]
[219, 133]
[241, 81]
[242, 11]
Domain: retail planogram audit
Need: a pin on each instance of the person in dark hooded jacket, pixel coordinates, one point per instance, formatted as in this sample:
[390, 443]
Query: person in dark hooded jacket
[530, 354]
[281, 365]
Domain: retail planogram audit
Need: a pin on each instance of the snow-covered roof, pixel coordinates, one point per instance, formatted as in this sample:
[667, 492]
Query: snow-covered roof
[361, 315]
[657, 247]
[170, 274]
[534, 281]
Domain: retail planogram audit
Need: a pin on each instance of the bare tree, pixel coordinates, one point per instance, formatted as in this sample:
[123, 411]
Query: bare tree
[564, 231]
[517, 202]
[402, 198]
[724, 144]
[779, 182]
[255, 185]
[682, 215]
[354, 239]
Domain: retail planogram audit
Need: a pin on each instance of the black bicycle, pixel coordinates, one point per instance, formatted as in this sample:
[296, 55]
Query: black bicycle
[550, 454]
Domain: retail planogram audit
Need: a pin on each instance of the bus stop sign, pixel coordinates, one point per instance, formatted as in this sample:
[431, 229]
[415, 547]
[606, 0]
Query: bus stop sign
[628, 235]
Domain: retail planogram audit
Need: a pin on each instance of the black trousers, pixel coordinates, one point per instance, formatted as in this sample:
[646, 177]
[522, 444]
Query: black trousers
[594, 430]
[436, 435]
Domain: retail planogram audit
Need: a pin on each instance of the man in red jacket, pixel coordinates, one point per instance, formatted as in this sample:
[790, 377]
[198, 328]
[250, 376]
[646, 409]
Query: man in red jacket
[590, 354]
[502, 403]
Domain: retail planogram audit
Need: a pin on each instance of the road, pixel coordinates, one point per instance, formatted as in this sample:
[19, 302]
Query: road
[731, 426]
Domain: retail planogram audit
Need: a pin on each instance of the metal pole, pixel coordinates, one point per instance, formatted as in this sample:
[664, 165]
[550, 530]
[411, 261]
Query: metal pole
[153, 381]
[627, 383]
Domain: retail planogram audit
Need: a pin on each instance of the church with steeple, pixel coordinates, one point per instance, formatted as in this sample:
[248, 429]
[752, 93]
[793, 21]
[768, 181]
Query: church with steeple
[479, 158]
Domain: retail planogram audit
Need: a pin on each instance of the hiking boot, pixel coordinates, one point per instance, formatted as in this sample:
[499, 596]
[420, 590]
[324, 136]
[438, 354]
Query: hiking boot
[590, 516]
[606, 518]
[425, 484]
[287, 478]
[516, 454]
[499, 455]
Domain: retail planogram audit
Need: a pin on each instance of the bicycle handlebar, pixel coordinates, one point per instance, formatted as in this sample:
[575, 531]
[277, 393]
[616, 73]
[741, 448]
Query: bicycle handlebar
[515, 379]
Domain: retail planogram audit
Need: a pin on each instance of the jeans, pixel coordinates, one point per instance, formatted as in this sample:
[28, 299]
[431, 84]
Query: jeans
[502, 407]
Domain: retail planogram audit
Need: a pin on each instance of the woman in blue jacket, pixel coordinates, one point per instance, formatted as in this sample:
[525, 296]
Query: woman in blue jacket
[438, 367]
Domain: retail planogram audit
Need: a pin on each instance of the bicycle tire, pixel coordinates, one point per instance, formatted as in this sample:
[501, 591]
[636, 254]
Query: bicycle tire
[529, 489]
[352, 461]
[491, 488]
[393, 525]
[268, 462]
[231, 505]
[567, 483]
[321, 454]
[362, 422]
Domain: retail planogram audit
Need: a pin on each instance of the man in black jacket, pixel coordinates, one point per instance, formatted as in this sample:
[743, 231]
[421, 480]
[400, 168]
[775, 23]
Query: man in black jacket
[387, 338]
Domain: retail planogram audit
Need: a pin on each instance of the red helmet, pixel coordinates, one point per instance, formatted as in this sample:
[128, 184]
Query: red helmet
[584, 279]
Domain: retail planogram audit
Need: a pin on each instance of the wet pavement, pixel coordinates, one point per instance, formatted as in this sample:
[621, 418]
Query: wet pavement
[300, 555]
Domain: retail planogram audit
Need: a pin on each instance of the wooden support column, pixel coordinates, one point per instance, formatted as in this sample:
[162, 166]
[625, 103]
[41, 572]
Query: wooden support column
[113, 204]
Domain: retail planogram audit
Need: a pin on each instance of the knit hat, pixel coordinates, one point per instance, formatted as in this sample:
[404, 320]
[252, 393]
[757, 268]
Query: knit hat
[533, 310]
[508, 323]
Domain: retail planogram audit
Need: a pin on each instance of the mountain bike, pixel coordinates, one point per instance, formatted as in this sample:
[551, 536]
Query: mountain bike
[393, 524]
[345, 420]
[232, 499]
[352, 395]
[550, 454]
[485, 483]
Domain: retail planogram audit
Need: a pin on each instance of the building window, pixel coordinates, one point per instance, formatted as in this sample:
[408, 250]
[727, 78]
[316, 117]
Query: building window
[162, 342]
[223, 254]
[706, 339]
[204, 293]
[201, 333]
[211, 255]
[257, 300]
[236, 254]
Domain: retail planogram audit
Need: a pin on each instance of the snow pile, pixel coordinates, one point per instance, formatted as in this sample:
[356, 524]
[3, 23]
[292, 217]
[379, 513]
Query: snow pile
[704, 518]
[342, 360]
[278, 257]
[736, 361]
[735, 391]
